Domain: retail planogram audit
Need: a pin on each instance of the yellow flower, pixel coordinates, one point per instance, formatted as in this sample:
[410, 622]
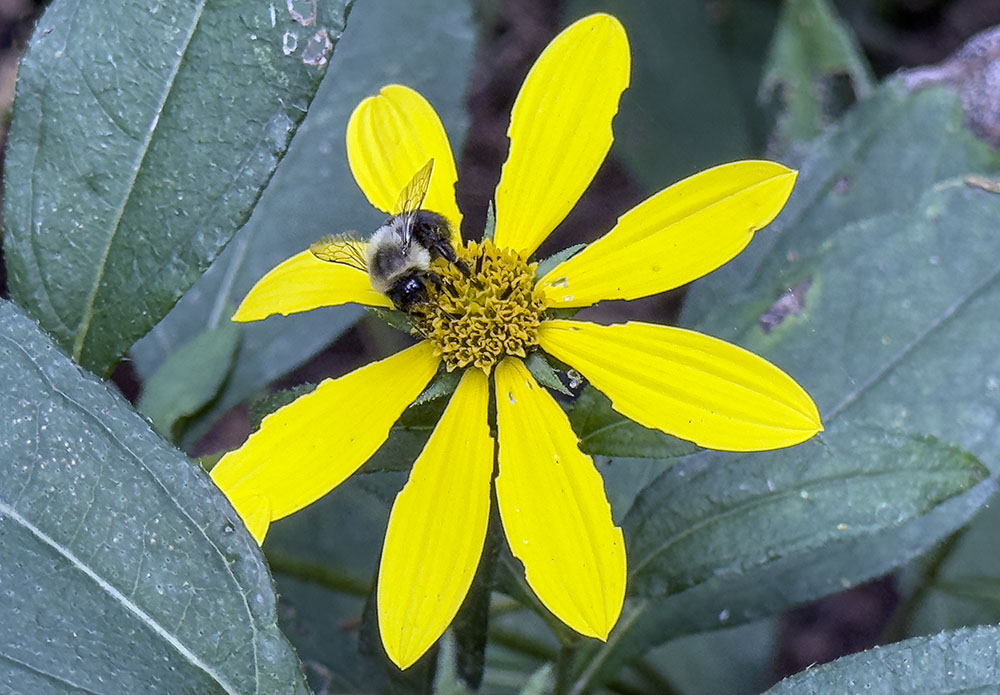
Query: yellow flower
[551, 498]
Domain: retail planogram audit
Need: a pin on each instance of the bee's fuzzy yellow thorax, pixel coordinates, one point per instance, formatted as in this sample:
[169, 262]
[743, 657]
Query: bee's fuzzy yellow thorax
[480, 318]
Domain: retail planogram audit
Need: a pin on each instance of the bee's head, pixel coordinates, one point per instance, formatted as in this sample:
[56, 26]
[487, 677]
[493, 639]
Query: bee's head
[408, 291]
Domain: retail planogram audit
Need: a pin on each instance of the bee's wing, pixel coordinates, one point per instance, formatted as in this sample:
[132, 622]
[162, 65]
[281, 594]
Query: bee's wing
[413, 194]
[341, 249]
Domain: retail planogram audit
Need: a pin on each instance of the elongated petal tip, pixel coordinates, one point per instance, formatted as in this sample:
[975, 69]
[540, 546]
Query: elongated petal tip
[677, 235]
[437, 527]
[690, 385]
[560, 129]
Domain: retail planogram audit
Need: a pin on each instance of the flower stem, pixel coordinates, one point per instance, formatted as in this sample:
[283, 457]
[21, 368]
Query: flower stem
[323, 575]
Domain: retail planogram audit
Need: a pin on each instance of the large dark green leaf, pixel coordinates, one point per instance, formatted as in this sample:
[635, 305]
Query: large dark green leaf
[124, 570]
[426, 44]
[948, 663]
[737, 514]
[142, 137]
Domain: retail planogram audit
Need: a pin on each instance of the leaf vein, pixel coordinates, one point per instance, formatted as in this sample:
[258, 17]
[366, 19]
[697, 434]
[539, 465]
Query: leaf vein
[88, 309]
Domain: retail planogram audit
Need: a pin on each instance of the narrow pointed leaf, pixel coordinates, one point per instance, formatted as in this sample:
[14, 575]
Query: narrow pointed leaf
[138, 153]
[605, 432]
[811, 46]
[124, 568]
[190, 379]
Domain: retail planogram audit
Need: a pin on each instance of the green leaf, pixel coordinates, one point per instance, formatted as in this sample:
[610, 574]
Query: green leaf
[540, 683]
[811, 46]
[444, 384]
[446, 678]
[190, 379]
[965, 589]
[538, 364]
[738, 514]
[313, 192]
[605, 432]
[547, 264]
[734, 599]
[983, 591]
[138, 153]
[962, 661]
[125, 569]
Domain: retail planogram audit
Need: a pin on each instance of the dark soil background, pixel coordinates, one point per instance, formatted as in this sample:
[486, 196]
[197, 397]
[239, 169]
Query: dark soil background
[894, 34]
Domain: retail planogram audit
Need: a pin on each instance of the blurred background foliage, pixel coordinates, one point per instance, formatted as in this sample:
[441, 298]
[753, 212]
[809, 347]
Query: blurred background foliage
[878, 282]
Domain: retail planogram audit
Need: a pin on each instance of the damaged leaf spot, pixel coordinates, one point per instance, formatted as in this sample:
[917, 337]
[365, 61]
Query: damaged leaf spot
[302, 11]
[289, 42]
[317, 50]
[791, 303]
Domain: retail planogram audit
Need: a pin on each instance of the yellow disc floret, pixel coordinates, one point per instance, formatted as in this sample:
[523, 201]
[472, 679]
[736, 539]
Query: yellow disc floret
[482, 312]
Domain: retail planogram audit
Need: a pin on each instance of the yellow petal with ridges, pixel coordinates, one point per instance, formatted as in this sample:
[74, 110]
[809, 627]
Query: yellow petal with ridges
[674, 237]
[437, 527]
[554, 509]
[690, 385]
[303, 283]
[310, 446]
[390, 137]
[560, 129]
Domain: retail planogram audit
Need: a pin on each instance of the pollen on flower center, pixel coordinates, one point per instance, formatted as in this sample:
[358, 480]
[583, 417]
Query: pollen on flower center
[481, 317]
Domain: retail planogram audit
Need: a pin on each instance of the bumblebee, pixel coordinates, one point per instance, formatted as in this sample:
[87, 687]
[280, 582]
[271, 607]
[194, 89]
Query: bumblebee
[398, 255]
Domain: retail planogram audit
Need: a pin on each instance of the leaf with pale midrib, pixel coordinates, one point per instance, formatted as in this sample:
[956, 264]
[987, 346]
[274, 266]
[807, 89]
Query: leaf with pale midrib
[122, 568]
[140, 142]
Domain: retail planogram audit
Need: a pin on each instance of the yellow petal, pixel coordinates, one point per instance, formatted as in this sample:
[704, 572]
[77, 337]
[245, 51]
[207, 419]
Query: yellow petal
[687, 384]
[303, 283]
[389, 138]
[560, 129]
[309, 447]
[437, 527]
[679, 234]
[554, 509]
[256, 514]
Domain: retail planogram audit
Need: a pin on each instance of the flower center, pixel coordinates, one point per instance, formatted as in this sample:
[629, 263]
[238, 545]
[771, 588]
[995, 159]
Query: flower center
[481, 317]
